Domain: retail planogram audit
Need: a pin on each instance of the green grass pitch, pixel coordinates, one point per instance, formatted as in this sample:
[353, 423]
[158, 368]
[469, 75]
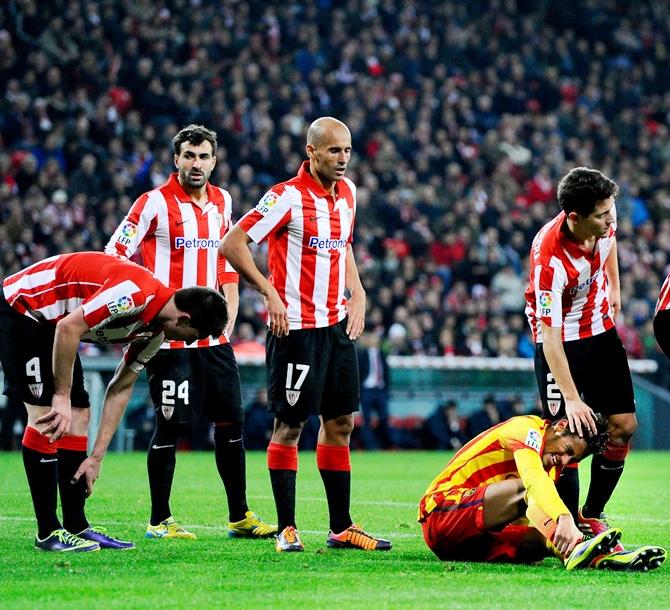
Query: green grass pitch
[217, 572]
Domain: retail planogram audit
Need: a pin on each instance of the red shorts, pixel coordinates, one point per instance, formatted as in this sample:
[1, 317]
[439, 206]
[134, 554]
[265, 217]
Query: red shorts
[454, 530]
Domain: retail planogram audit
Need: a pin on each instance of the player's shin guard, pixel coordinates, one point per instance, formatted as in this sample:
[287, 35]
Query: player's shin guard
[71, 453]
[41, 464]
[161, 462]
[334, 465]
[606, 470]
[231, 464]
[567, 487]
[283, 467]
[542, 522]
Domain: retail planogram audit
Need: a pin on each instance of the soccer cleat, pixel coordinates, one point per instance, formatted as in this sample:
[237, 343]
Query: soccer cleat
[288, 541]
[168, 529]
[252, 526]
[592, 526]
[586, 551]
[640, 559]
[99, 535]
[355, 538]
[62, 541]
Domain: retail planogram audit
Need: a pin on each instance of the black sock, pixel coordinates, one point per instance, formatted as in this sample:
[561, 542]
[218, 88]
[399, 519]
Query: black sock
[568, 489]
[42, 472]
[161, 462]
[230, 462]
[605, 475]
[338, 492]
[283, 488]
[72, 497]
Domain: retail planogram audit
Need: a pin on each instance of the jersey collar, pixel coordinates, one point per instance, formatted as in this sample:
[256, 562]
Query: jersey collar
[181, 195]
[308, 180]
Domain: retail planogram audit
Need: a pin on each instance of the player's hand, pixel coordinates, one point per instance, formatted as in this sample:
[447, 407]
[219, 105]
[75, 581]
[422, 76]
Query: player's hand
[58, 418]
[567, 535]
[277, 314]
[90, 470]
[614, 299]
[355, 315]
[581, 418]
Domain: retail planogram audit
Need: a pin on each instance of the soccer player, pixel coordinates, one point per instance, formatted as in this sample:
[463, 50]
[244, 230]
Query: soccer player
[571, 302]
[177, 228]
[662, 318]
[472, 509]
[45, 311]
[311, 359]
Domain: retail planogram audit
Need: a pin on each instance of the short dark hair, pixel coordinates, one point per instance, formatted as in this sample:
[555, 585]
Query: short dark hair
[582, 188]
[196, 135]
[595, 443]
[207, 308]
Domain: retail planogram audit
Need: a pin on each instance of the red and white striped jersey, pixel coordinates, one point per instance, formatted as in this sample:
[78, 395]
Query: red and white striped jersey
[568, 287]
[308, 231]
[179, 241]
[663, 302]
[120, 299]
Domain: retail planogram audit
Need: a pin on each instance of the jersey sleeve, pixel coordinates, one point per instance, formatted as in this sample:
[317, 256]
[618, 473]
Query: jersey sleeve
[525, 440]
[550, 282]
[137, 355]
[225, 273]
[137, 225]
[271, 213]
[113, 301]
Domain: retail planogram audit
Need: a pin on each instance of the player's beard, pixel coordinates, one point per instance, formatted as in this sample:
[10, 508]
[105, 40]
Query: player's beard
[194, 182]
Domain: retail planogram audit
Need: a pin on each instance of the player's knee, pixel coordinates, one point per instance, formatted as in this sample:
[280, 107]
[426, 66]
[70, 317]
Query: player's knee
[228, 431]
[167, 433]
[286, 434]
[622, 427]
[80, 420]
[341, 425]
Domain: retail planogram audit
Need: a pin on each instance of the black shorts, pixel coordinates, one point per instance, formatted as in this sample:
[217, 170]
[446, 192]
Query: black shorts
[26, 350]
[599, 368]
[196, 382]
[312, 372]
[662, 330]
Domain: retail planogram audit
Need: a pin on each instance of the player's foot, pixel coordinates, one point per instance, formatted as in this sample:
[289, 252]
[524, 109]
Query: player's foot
[355, 538]
[640, 559]
[168, 529]
[252, 526]
[99, 535]
[288, 541]
[62, 541]
[592, 526]
[587, 550]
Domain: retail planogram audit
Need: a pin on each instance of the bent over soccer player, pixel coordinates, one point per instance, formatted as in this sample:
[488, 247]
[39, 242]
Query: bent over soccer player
[311, 359]
[178, 227]
[45, 311]
[508, 472]
[572, 300]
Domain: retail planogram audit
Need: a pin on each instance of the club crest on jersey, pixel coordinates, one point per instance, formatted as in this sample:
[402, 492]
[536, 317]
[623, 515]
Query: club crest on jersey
[534, 440]
[553, 406]
[267, 203]
[292, 396]
[167, 411]
[121, 305]
[36, 389]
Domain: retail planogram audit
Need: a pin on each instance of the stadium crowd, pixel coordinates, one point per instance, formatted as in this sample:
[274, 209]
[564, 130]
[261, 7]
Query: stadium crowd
[463, 116]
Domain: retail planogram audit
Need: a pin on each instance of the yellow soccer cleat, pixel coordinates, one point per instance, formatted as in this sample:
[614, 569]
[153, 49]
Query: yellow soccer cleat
[252, 526]
[168, 529]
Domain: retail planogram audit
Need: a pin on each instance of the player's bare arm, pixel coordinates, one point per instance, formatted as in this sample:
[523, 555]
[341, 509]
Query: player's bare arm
[117, 395]
[231, 293]
[613, 287]
[69, 331]
[579, 414]
[235, 248]
[356, 302]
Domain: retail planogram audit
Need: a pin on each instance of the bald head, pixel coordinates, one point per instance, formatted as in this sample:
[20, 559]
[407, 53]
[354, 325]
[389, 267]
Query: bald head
[323, 129]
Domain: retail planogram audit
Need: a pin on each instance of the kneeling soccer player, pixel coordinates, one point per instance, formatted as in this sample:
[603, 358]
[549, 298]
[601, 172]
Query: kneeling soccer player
[473, 510]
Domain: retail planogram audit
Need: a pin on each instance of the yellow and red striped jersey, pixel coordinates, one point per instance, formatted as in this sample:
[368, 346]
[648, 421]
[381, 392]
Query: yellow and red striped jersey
[510, 450]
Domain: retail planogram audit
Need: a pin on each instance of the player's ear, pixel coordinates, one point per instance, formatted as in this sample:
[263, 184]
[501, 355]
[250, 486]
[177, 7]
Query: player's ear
[184, 319]
[561, 425]
[310, 150]
[176, 158]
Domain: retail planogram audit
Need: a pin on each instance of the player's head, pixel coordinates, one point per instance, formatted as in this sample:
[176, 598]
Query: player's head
[562, 447]
[329, 150]
[194, 155]
[202, 312]
[582, 188]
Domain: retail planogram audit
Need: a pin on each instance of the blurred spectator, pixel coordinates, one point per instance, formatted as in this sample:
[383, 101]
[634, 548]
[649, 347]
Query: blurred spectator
[374, 378]
[483, 419]
[444, 428]
[258, 421]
